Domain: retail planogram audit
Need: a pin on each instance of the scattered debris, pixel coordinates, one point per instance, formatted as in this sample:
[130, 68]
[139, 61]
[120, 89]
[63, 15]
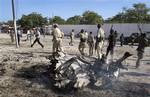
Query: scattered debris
[78, 72]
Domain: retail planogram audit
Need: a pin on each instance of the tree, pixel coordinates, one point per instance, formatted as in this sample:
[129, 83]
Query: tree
[90, 17]
[10, 23]
[57, 19]
[32, 20]
[137, 14]
[74, 20]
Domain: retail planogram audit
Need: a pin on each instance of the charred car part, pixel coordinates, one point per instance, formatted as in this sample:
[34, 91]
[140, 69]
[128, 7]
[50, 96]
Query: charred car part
[78, 72]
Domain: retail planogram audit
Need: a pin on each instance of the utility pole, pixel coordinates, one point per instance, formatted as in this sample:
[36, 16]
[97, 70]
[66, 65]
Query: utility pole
[15, 26]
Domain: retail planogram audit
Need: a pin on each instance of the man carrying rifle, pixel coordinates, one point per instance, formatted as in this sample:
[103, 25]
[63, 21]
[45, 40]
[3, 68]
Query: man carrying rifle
[111, 43]
[99, 41]
[143, 42]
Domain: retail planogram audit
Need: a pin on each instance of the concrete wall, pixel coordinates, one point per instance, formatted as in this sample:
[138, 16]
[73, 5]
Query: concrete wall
[127, 28]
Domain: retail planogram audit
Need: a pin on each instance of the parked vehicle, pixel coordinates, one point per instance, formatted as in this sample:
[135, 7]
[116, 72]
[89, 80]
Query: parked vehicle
[148, 37]
[132, 39]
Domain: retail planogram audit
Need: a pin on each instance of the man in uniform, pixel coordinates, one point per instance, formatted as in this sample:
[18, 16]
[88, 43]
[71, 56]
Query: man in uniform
[90, 42]
[143, 42]
[99, 41]
[111, 44]
[121, 39]
[57, 38]
[82, 43]
[116, 35]
[19, 34]
[71, 37]
[11, 31]
[37, 36]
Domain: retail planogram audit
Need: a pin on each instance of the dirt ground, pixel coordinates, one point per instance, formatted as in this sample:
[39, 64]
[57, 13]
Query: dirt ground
[22, 71]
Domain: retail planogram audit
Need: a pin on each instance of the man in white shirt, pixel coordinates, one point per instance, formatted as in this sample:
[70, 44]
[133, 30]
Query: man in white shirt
[37, 36]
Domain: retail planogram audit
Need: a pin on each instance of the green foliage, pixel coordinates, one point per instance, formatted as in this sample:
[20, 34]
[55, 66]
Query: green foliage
[35, 19]
[32, 20]
[74, 20]
[10, 23]
[137, 14]
[90, 17]
[57, 19]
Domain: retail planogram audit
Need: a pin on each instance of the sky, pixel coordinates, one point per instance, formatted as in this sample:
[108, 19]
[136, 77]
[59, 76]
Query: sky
[65, 8]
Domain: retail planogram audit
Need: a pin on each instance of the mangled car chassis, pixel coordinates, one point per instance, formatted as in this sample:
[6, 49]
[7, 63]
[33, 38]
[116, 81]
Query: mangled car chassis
[80, 71]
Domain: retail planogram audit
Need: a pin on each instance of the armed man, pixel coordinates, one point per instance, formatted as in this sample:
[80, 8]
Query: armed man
[90, 42]
[121, 39]
[143, 42]
[99, 41]
[111, 43]
[57, 39]
[82, 44]
[71, 37]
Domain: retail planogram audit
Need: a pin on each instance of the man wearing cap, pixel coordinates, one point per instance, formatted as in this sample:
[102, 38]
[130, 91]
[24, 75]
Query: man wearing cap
[57, 38]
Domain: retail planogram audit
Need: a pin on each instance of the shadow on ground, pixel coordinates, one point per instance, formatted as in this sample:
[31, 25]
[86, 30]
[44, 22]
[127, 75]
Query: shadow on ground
[135, 74]
[132, 89]
[39, 74]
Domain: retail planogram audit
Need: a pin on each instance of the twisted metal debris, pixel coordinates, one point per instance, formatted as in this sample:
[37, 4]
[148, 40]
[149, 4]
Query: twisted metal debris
[80, 71]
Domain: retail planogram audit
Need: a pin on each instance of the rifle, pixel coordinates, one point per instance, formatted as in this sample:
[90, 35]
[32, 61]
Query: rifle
[139, 28]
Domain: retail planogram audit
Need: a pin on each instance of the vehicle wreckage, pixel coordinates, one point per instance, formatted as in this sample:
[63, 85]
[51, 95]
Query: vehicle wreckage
[81, 71]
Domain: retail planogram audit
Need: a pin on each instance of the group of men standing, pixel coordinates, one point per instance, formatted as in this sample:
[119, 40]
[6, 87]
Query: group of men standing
[89, 39]
[112, 39]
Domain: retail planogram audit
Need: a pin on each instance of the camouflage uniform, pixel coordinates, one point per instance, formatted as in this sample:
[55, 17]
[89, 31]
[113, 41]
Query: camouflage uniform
[121, 39]
[90, 42]
[82, 43]
[143, 42]
[111, 44]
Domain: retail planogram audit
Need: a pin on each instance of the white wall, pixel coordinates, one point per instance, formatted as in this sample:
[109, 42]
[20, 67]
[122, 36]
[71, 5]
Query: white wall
[126, 28]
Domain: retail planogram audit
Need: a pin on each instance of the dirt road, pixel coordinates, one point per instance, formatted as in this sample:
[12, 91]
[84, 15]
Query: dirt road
[22, 72]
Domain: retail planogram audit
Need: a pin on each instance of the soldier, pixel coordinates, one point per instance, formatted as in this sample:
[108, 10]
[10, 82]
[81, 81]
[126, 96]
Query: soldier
[37, 36]
[99, 41]
[82, 43]
[143, 42]
[18, 35]
[71, 37]
[111, 44]
[116, 35]
[121, 39]
[90, 42]
[57, 38]
[11, 31]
